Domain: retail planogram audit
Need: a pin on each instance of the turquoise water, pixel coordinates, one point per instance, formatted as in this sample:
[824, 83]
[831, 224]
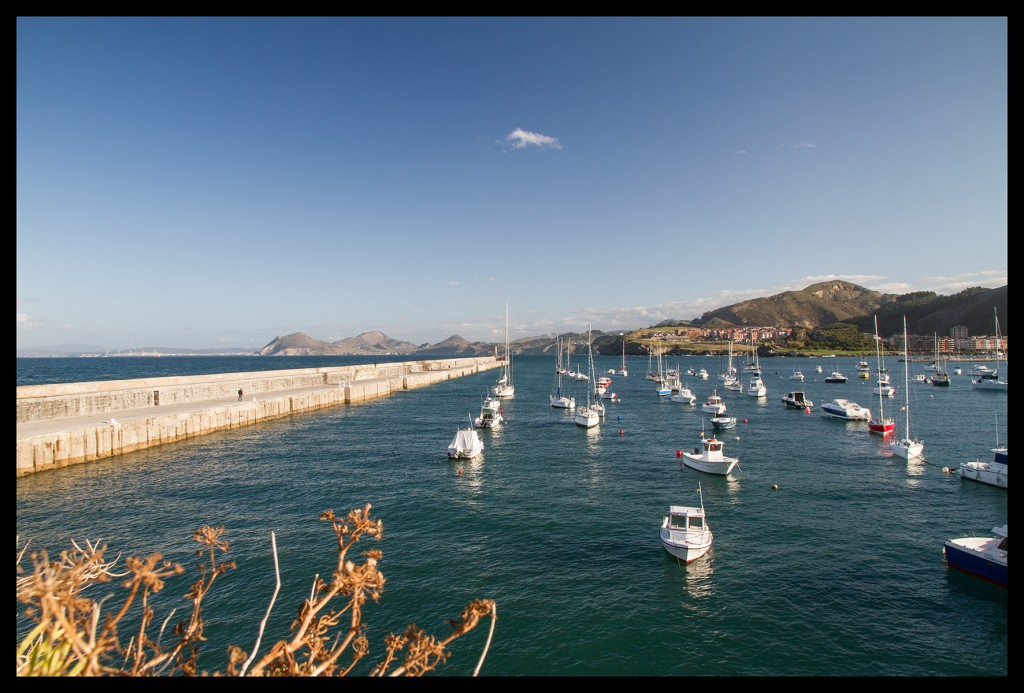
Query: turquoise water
[838, 572]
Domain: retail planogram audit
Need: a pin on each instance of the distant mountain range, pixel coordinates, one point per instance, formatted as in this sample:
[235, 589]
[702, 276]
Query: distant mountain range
[817, 306]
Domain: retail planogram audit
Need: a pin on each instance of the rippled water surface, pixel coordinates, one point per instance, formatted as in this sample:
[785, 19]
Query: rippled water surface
[837, 572]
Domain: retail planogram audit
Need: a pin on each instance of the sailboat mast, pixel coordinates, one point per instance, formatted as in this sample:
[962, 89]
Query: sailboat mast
[878, 357]
[906, 380]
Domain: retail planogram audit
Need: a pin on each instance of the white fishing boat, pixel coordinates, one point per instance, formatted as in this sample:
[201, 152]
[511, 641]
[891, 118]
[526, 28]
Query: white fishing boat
[723, 422]
[685, 533]
[714, 405]
[702, 374]
[504, 388]
[797, 400]
[835, 377]
[683, 395]
[906, 446]
[991, 380]
[797, 375]
[709, 457]
[491, 415]
[846, 409]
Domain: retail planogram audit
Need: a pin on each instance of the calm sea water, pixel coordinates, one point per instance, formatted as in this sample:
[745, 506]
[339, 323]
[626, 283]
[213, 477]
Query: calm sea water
[838, 572]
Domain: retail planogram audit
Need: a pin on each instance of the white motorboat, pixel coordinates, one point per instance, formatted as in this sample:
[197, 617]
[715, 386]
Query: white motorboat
[756, 387]
[982, 557]
[466, 445]
[846, 409]
[994, 473]
[835, 377]
[797, 400]
[702, 374]
[723, 422]
[709, 457]
[797, 375]
[684, 395]
[714, 405]
[685, 533]
[491, 415]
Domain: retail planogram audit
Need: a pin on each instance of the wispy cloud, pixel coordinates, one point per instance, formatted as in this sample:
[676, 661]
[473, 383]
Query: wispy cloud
[453, 282]
[801, 145]
[519, 138]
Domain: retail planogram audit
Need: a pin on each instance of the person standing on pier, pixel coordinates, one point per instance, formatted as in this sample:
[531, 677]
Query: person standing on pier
[239, 394]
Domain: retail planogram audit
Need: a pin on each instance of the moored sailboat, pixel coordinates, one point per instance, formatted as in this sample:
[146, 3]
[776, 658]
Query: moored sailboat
[906, 446]
[882, 425]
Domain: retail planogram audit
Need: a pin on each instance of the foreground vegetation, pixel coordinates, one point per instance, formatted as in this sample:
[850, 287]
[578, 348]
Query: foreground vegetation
[327, 636]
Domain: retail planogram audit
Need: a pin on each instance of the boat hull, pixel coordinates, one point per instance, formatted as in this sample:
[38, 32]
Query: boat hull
[839, 411]
[908, 449]
[986, 473]
[882, 428]
[992, 385]
[978, 557]
[723, 466]
[688, 548]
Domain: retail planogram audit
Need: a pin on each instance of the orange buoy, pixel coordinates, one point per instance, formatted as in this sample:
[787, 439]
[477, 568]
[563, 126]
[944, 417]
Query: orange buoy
[807, 410]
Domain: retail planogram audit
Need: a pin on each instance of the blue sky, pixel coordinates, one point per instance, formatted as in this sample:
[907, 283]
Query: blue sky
[206, 182]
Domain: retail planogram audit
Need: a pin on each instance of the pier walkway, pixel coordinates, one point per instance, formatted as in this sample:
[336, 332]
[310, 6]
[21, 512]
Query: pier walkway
[64, 424]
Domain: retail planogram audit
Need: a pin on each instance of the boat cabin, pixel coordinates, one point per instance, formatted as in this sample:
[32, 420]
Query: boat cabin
[686, 518]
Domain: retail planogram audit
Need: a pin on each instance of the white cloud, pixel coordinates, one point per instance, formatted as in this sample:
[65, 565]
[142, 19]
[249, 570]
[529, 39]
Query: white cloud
[519, 138]
[453, 282]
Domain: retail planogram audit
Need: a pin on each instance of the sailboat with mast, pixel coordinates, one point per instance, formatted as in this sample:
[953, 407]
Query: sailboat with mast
[991, 380]
[906, 446]
[883, 425]
[939, 376]
[622, 371]
[587, 416]
[504, 389]
[558, 400]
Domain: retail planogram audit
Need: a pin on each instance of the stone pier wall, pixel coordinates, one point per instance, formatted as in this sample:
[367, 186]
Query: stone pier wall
[64, 424]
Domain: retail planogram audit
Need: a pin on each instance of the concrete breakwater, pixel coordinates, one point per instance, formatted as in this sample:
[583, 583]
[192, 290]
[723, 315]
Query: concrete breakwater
[71, 423]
